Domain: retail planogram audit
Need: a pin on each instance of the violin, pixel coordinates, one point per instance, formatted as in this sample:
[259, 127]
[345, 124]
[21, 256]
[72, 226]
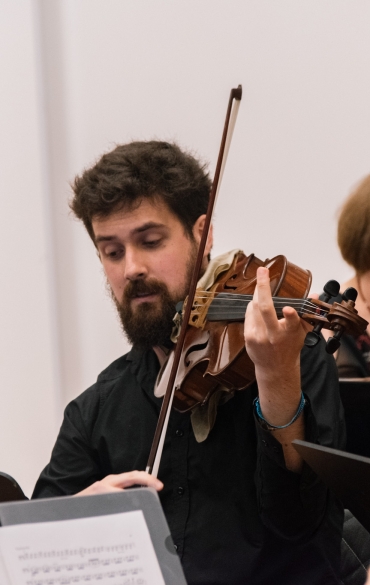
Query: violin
[214, 350]
[210, 348]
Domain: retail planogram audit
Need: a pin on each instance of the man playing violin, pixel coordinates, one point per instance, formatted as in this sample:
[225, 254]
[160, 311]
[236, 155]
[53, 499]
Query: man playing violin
[241, 505]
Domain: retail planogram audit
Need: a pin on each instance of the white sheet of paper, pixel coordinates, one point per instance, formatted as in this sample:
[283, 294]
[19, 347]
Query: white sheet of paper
[4, 579]
[115, 549]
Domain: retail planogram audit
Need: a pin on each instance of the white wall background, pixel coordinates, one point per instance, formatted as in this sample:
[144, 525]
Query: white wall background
[79, 76]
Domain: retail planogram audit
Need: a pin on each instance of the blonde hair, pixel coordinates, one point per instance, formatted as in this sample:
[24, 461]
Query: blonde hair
[354, 228]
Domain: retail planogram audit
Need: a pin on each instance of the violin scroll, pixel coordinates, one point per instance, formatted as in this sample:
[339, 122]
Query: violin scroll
[340, 317]
[331, 289]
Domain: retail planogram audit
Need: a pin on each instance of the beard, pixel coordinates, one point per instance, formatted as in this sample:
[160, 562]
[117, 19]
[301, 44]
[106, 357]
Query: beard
[150, 323]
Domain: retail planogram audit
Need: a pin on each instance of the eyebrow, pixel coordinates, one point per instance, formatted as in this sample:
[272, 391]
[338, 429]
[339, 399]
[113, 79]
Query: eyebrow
[146, 226]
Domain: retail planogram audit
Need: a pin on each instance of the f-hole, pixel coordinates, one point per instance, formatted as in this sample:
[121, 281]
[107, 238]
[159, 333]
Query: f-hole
[195, 348]
[227, 287]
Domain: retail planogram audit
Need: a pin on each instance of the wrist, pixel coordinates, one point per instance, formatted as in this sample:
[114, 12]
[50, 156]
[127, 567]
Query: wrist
[279, 395]
[278, 375]
[267, 424]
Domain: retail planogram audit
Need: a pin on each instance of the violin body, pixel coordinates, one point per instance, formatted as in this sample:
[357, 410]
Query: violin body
[214, 352]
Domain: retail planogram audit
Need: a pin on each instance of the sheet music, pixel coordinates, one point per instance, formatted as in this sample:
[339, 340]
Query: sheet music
[115, 549]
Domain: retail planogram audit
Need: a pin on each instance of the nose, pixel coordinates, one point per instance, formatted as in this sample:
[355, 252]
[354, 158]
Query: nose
[135, 267]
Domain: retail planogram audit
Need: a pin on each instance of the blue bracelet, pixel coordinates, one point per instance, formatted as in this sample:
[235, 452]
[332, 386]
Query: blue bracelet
[265, 424]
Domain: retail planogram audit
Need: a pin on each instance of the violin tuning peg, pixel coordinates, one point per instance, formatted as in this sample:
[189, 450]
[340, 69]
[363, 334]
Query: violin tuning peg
[332, 345]
[312, 338]
[350, 294]
[331, 289]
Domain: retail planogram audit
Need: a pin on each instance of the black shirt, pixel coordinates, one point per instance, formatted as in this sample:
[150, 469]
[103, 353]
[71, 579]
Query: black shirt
[236, 514]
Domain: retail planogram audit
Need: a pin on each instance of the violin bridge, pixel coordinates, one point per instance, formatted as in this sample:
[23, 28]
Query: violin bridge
[202, 302]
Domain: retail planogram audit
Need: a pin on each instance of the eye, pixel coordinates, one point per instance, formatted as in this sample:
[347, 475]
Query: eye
[153, 243]
[114, 253]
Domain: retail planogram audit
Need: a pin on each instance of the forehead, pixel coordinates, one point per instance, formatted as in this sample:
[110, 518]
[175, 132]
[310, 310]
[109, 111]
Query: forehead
[129, 220]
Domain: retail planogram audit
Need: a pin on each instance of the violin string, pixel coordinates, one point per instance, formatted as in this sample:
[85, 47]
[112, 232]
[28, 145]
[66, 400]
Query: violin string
[241, 317]
[221, 306]
[243, 308]
[234, 313]
[276, 304]
[241, 314]
[278, 301]
[279, 307]
[241, 311]
[246, 297]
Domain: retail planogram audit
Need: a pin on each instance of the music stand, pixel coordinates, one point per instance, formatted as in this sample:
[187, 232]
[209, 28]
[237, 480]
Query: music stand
[67, 508]
[355, 395]
[347, 475]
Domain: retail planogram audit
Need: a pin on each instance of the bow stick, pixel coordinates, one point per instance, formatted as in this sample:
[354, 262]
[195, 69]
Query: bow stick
[160, 432]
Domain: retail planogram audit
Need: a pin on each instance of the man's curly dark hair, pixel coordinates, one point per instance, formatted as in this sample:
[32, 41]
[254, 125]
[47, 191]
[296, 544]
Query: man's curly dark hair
[131, 172]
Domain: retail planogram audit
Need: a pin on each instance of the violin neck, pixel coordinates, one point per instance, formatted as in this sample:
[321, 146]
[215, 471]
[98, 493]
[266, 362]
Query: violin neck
[232, 307]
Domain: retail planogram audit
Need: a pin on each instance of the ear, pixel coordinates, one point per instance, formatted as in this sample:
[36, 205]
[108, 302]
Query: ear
[198, 228]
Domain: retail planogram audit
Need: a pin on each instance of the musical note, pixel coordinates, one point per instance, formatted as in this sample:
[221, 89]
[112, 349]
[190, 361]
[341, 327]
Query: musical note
[114, 549]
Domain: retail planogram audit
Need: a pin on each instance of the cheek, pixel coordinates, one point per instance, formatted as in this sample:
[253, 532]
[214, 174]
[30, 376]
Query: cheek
[114, 280]
[168, 272]
[174, 272]
[167, 268]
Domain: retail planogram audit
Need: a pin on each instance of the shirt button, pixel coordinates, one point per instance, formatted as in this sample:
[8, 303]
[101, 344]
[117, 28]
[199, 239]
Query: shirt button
[180, 490]
[179, 433]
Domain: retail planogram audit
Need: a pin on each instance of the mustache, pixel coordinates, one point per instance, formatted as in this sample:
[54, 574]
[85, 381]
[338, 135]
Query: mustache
[140, 287]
